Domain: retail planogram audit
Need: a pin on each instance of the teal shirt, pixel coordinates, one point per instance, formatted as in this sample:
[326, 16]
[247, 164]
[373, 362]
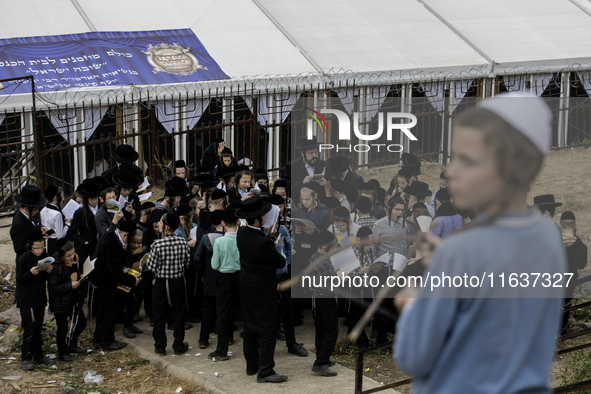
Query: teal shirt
[226, 257]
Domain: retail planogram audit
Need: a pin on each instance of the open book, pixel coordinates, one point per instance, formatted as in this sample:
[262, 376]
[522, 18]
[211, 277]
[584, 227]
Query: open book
[302, 223]
[130, 271]
[112, 206]
[70, 208]
[144, 185]
[45, 263]
[88, 267]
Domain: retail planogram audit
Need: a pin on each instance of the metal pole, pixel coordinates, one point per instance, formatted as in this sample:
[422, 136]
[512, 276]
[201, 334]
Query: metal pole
[38, 141]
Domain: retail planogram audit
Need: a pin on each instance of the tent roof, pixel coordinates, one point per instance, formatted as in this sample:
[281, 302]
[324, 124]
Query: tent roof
[392, 40]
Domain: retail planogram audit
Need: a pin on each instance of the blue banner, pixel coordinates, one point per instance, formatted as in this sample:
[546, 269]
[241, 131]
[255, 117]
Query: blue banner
[103, 59]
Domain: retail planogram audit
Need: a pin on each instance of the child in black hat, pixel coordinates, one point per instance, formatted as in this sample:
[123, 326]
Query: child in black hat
[180, 169]
[31, 298]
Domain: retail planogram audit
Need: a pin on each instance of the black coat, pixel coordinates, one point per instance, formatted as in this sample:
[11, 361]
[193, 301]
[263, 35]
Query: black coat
[59, 287]
[352, 182]
[19, 232]
[294, 175]
[108, 174]
[210, 157]
[259, 260]
[104, 222]
[576, 257]
[79, 233]
[30, 289]
[110, 265]
[203, 257]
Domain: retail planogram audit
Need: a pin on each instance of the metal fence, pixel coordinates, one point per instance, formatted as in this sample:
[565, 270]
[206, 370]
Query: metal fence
[63, 144]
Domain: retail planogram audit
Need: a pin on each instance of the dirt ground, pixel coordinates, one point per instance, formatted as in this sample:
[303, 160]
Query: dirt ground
[122, 371]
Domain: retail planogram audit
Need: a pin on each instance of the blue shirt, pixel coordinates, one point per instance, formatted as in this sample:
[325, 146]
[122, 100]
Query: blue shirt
[459, 341]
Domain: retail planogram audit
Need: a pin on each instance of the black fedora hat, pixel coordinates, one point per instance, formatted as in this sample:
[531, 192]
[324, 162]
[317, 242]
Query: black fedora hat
[421, 188]
[30, 196]
[126, 226]
[338, 164]
[546, 201]
[125, 154]
[228, 172]
[413, 170]
[253, 208]
[90, 188]
[180, 164]
[201, 178]
[176, 186]
[102, 183]
[305, 144]
[412, 162]
[137, 171]
[125, 178]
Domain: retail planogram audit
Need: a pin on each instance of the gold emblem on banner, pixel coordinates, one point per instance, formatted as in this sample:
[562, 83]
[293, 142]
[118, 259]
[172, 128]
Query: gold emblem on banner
[172, 59]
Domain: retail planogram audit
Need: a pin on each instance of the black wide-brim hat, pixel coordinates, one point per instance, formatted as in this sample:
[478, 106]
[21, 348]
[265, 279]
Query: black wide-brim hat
[338, 164]
[408, 159]
[253, 208]
[90, 188]
[178, 185]
[546, 201]
[422, 189]
[200, 179]
[30, 196]
[125, 178]
[125, 154]
[228, 172]
[305, 144]
[102, 183]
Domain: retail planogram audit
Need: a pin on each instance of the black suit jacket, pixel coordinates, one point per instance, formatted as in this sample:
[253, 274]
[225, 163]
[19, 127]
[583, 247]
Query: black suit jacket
[19, 232]
[79, 233]
[352, 182]
[294, 175]
[259, 260]
[108, 174]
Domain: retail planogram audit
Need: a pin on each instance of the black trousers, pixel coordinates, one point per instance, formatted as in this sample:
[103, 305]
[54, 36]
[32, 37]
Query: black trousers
[259, 352]
[356, 310]
[226, 294]
[109, 305]
[51, 244]
[146, 285]
[193, 301]
[63, 340]
[32, 324]
[208, 318]
[169, 293]
[286, 313]
[326, 313]
[130, 308]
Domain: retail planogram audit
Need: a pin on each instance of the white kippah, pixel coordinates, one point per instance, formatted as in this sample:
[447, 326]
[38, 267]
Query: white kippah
[528, 114]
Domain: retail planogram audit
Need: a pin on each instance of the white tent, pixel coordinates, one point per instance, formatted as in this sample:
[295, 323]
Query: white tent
[289, 43]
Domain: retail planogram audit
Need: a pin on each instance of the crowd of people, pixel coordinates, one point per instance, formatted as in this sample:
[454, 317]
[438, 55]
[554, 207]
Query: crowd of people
[214, 248]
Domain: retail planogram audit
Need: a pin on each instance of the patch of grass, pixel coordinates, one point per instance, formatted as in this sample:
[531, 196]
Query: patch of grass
[583, 314]
[586, 143]
[138, 361]
[579, 369]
